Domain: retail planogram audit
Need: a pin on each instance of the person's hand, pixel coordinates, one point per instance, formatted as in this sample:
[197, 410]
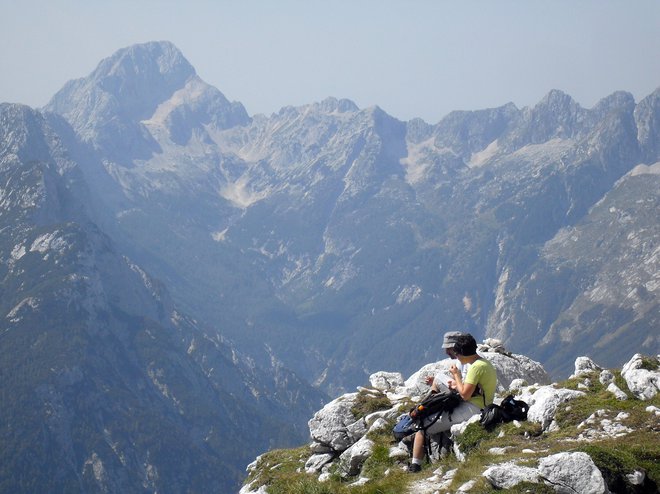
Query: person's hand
[453, 370]
[451, 384]
[429, 380]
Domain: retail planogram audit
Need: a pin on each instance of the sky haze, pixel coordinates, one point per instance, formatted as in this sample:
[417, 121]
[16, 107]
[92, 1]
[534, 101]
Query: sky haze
[418, 58]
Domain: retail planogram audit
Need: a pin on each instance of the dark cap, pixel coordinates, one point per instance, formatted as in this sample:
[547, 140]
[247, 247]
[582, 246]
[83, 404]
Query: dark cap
[449, 340]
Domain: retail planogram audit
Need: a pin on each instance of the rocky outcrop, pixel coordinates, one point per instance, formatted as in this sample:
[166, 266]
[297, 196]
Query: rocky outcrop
[508, 475]
[544, 402]
[572, 472]
[565, 472]
[334, 429]
[343, 440]
[642, 376]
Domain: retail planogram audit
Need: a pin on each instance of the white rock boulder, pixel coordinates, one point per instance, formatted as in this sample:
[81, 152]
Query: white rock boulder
[512, 366]
[570, 473]
[330, 425]
[585, 366]
[606, 377]
[316, 462]
[508, 475]
[351, 460]
[617, 392]
[386, 381]
[543, 403]
[644, 383]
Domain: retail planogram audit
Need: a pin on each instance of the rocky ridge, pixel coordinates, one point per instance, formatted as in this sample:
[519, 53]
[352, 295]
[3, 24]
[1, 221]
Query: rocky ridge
[107, 385]
[560, 448]
[334, 227]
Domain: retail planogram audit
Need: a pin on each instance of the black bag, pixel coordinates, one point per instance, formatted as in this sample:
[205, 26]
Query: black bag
[431, 405]
[507, 411]
[445, 401]
[491, 415]
[514, 409]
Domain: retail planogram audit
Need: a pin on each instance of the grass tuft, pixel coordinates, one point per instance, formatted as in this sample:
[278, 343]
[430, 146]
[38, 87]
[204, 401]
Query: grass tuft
[366, 403]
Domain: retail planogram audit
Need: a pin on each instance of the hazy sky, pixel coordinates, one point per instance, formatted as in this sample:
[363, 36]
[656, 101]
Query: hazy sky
[413, 58]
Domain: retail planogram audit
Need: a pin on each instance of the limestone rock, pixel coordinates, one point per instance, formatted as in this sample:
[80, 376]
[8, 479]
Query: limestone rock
[512, 366]
[491, 345]
[617, 392]
[324, 477]
[434, 484]
[467, 486]
[247, 489]
[457, 430]
[636, 478]
[317, 462]
[415, 386]
[508, 475]
[643, 383]
[599, 425]
[517, 384]
[543, 403]
[329, 426]
[359, 482]
[356, 430]
[585, 366]
[379, 424]
[352, 459]
[386, 381]
[399, 451]
[389, 414]
[606, 377]
[572, 472]
[318, 448]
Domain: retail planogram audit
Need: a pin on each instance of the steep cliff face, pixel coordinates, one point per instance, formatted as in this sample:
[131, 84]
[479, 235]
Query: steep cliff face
[613, 252]
[648, 126]
[107, 386]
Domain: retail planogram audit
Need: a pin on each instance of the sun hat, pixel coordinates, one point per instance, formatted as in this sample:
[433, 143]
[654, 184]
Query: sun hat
[449, 340]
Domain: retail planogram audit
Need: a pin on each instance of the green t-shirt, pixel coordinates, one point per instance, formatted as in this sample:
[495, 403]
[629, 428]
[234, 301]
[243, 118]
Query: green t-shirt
[482, 373]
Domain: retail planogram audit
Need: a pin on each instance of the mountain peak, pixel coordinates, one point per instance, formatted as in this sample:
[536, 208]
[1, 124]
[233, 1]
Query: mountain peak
[131, 83]
[146, 59]
[559, 103]
[330, 105]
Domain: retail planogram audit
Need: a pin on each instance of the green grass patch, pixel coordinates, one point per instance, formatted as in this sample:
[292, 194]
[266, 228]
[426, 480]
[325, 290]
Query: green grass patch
[278, 465]
[617, 459]
[367, 403]
[576, 411]
[650, 363]
[474, 434]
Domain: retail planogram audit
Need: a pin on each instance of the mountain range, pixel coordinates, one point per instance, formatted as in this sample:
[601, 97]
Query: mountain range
[183, 284]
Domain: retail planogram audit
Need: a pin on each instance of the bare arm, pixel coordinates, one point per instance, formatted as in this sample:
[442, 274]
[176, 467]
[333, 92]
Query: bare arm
[464, 389]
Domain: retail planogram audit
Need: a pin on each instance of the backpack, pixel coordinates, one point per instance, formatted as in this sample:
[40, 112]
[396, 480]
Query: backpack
[507, 411]
[514, 409]
[404, 427]
[430, 406]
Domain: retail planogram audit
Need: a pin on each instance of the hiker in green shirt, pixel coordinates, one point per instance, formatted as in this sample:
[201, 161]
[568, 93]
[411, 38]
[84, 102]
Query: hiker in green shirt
[477, 390]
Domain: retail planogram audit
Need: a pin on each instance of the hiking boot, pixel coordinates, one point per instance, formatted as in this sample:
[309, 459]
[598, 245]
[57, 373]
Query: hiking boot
[414, 468]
